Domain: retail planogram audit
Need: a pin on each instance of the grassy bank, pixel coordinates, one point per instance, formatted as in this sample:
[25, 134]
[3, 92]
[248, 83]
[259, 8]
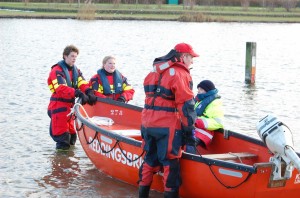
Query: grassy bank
[147, 12]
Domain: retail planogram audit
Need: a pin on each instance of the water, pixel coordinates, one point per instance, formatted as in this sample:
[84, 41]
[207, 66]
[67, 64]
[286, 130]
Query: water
[29, 165]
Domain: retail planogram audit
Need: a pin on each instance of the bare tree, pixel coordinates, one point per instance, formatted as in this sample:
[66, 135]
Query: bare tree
[262, 3]
[116, 3]
[71, 2]
[26, 2]
[88, 2]
[270, 4]
[159, 3]
[245, 4]
[189, 4]
[289, 4]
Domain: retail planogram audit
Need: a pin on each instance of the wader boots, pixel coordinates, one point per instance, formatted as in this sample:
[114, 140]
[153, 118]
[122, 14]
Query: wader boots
[144, 191]
[171, 194]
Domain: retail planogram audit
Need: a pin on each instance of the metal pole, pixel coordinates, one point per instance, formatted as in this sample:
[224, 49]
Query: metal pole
[250, 62]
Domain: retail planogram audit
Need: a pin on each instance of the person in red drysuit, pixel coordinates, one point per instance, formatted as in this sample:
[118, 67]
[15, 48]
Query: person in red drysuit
[168, 116]
[66, 82]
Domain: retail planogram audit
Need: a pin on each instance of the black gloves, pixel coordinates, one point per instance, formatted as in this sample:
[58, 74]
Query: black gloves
[121, 99]
[200, 143]
[92, 98]
[188, 130]
[89, 97]
[188, 135]
[84, 98]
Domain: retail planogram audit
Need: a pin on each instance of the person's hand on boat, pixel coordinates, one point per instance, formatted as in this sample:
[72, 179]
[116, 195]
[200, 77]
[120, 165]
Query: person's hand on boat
[188, 135]
[190, 140]
[121, 99]
[188, 130]
[92, 98]
[84, 98]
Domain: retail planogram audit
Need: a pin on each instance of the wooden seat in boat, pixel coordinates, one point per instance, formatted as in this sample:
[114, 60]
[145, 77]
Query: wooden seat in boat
[231, 156]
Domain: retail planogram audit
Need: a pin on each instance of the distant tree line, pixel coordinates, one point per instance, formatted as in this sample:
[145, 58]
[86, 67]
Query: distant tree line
[287, 4]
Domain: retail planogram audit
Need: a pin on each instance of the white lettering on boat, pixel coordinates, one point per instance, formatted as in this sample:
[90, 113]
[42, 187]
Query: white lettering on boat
[115, 154]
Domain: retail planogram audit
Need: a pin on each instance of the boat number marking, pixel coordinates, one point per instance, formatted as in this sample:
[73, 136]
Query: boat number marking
[116, 112]
[297, 179]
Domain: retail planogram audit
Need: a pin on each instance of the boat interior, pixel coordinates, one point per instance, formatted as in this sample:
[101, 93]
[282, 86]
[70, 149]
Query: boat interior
[225, 146]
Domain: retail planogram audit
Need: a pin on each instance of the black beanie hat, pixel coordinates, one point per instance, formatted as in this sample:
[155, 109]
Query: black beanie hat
[207, 85]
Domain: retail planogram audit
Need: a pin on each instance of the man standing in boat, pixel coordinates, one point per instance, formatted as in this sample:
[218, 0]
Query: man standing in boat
[168, 116]
[110, 83]
[66, 82]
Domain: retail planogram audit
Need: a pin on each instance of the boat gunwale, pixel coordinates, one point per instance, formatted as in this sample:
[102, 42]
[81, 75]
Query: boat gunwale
[105, 132]
[221, 163]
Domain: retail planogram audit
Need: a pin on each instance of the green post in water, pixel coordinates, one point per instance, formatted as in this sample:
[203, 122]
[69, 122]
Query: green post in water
[250, 62]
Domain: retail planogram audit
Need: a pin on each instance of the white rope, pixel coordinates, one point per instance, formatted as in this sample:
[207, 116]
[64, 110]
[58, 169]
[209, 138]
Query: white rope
[73, 110]
[230, 153]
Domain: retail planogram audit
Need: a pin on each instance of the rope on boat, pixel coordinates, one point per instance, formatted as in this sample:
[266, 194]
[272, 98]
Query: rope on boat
[126, 156]
[248, 176]
[211, 170]
[99, 142]
[97, 137]
[230, 153]
[86, 138]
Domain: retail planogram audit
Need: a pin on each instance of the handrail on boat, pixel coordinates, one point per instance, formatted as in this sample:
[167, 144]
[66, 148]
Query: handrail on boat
[87, 121]
[90, 124]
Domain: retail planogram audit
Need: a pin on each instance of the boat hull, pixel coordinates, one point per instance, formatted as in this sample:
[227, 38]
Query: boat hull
[116, 150]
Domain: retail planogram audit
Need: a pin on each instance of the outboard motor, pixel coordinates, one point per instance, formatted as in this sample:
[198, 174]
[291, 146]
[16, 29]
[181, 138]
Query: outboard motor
[280, 142]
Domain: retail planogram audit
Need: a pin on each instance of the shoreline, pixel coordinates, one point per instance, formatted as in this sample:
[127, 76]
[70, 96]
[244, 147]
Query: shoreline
[134, 19]
[198, 14]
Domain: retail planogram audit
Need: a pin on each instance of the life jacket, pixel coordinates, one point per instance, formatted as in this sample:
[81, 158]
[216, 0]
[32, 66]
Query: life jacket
[160, 65]
[64, 67]
[118, 82]
[204, 100]
[156, 90]
[162, 105]
[209, 109]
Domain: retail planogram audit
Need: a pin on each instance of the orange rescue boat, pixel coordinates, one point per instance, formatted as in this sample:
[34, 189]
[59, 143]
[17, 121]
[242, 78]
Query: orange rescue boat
[234, 165]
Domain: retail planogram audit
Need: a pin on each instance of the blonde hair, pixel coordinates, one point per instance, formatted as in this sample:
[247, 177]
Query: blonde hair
[105, 59]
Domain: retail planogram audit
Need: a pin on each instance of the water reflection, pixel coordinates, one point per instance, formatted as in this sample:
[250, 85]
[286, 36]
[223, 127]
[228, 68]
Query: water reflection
[249, 91]
[64, 169]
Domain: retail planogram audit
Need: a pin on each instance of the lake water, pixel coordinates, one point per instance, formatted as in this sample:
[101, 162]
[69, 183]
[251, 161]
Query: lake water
[29, 165]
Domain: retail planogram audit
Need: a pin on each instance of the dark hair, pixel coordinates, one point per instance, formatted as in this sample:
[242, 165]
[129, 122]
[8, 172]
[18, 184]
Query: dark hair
[69, 49]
